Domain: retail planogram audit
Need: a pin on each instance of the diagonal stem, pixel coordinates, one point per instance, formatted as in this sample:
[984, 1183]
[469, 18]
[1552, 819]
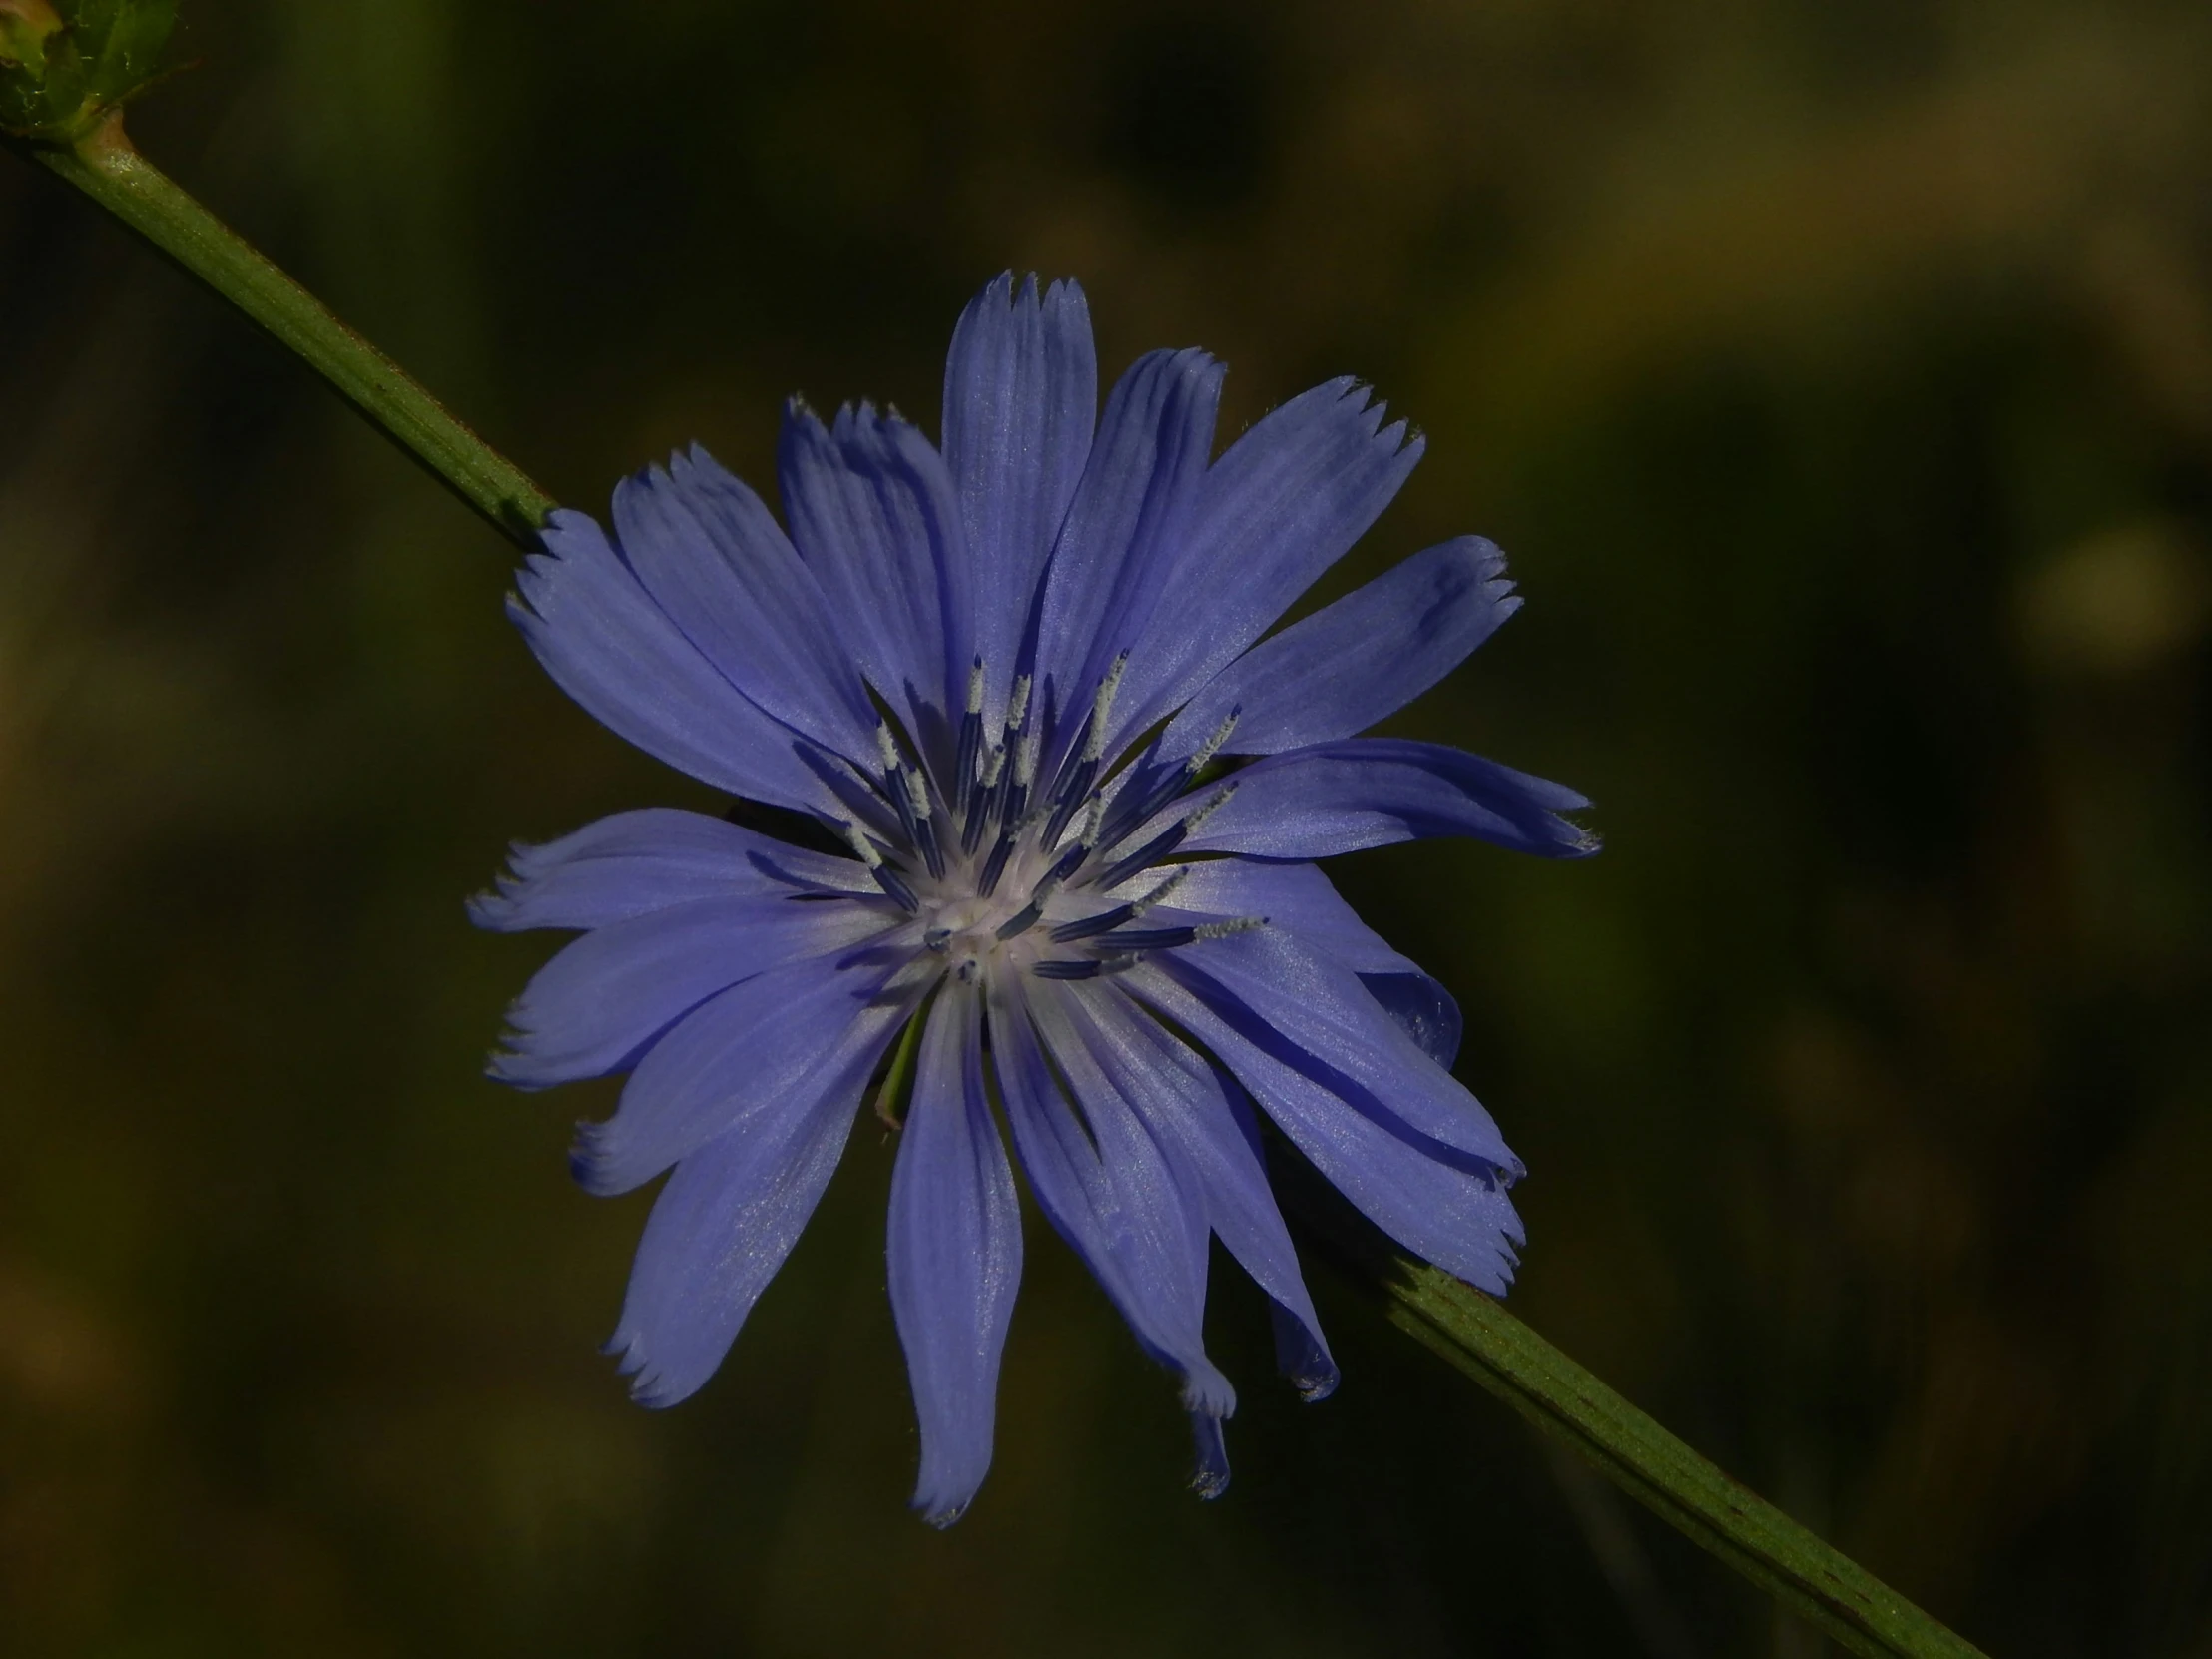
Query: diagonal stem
[107, 168]
[1468, 1329]
[1476, 1334]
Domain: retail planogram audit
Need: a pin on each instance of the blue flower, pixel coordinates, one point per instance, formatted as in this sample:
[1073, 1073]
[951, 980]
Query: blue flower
[1074, 795]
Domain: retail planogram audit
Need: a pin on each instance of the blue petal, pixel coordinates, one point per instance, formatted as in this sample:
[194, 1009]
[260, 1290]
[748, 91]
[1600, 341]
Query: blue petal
[717, 1232]
[1462, 1222]
[1020, 402]
[1424, 1009]
[875, 514]
[1286, 502]
[1344, 668]
[624, 865]
[1125, 525]
[1108, 1189]
[712, 558]
[1195, 1115]
[604, 997]
[1370, 791]
[1266, 979]
[1296, 898]
[604, 641]
[765, 1045]
[956, 1256]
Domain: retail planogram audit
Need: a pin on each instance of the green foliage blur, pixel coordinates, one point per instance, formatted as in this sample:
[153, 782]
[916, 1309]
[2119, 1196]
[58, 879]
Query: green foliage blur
[1839, 379]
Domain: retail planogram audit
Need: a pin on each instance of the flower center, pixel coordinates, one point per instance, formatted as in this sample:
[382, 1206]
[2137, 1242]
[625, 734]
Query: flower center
[1007, 869]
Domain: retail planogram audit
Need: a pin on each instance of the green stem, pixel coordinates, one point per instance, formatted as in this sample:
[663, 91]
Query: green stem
[1468, 1329]
[107, 168]
[1476, 1334]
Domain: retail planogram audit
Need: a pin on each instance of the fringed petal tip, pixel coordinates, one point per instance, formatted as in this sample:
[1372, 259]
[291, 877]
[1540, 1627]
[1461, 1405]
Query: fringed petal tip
[649, 1387]
[1301, 1355]
[510, 1065]
[941, 1512]
[1210, 1466]
[493, 912]
[588, 1157]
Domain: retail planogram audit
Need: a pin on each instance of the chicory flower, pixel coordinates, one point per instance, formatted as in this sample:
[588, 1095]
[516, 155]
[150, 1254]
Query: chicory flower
[1066, 790]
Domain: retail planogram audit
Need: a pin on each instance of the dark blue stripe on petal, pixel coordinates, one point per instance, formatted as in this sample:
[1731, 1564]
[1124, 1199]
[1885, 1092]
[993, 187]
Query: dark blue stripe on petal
[1461, 1221]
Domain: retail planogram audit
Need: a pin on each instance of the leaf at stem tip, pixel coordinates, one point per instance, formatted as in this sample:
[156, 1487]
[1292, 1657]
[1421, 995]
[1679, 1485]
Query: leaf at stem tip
[65, 65]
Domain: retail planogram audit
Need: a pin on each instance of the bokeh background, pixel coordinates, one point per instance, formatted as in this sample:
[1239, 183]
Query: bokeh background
[1839, 379]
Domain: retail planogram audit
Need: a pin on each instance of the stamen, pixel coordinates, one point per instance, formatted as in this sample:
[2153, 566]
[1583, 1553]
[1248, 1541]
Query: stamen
[995, 865]
[885, 878]
[971, 741]
[1107, 920]
[1017, 705]
[1148, 938]
[937, 939]
[1169, 938]
[1022, 920]
[1167, 841]
[1090, 969]
[1134, 808]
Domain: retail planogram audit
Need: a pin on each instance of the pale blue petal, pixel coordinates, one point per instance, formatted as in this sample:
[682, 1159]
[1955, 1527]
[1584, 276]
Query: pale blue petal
[603, 999]
[955, 1256]
[1370, 791]
[1297, 898]
[1125, 526]
[1273, 981]
[1461, 1221]
[1338, 670]
[1020, 402]
[624, 865]
[763, 1045]
[604, 641]
[1283, 504]
[1194, 1113]
[1108, 1187]
[712, 558]
[717, 1234]
[874, 512]
[1424, 1009]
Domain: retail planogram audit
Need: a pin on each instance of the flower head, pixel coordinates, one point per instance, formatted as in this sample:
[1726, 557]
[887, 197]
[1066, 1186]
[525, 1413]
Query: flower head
[1075, 796]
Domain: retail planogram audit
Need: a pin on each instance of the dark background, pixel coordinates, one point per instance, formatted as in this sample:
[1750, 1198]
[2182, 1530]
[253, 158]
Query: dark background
[1839, 379]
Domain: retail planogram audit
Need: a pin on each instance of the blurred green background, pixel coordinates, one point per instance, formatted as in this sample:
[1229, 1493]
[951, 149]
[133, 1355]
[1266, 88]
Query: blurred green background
[1839, 379]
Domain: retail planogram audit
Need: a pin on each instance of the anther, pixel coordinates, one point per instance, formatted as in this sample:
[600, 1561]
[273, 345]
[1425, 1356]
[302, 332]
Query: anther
[1018, 704]
[1206, 751]
[1102, 706]
[886, 745]
[975, 687]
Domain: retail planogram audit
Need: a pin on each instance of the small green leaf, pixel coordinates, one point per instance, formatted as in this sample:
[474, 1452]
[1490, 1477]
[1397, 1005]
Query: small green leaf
[65, 64]
[24, 28]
